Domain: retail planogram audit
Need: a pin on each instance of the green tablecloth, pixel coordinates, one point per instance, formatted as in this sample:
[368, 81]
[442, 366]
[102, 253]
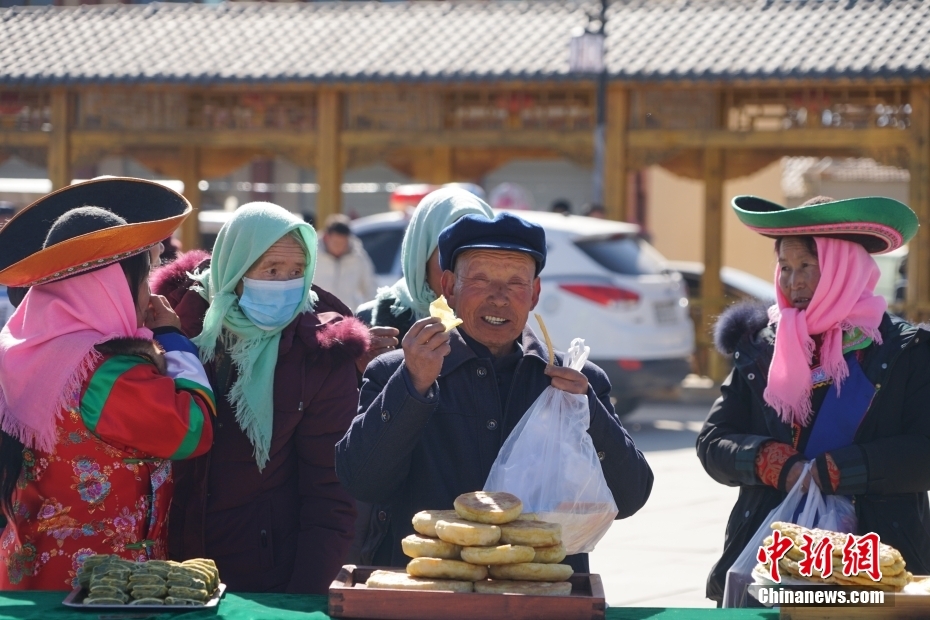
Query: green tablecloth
[47, 606]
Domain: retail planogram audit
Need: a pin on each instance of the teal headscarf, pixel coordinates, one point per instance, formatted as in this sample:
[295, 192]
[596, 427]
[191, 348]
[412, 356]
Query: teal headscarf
[435, 212]
[253, 229]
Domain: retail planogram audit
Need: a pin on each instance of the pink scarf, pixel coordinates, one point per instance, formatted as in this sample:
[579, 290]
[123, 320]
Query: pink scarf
[47, 349]
[843, 300]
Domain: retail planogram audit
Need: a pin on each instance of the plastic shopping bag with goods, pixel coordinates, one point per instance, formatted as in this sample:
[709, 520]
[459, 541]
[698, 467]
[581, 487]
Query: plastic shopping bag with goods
[550, 463]
[804, 505]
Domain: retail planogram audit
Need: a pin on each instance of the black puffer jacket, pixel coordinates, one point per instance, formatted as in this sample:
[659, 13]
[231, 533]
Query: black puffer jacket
[886, 470]
[415, 453]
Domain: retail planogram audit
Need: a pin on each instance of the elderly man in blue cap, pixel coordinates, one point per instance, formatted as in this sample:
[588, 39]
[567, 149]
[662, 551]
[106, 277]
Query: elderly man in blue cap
[433, 417]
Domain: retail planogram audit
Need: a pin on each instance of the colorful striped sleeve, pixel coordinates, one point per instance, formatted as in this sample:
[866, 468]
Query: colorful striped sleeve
[128, 403]
[184, 366]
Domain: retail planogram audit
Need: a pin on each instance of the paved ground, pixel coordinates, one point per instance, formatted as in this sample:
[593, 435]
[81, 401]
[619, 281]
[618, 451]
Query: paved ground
[660, 556]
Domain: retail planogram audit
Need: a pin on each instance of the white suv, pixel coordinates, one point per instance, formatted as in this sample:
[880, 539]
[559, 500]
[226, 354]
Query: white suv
[603, 283]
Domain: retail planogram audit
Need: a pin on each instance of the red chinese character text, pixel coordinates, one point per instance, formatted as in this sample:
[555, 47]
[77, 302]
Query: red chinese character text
[774, 552]
[819, 557]
[862, 556]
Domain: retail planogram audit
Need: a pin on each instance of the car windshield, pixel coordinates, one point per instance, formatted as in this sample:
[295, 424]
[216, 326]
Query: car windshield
[382, 247]
[626, 254]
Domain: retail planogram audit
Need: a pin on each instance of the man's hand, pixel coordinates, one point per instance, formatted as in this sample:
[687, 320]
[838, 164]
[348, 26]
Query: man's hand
[383, 339]
[568, 379]
[160, 314]
[425, 346]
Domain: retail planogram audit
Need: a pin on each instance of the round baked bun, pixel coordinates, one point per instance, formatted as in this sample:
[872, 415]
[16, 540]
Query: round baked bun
[434, 568]
[488, 507]
[503, 554]
[532, 571]
[391, 580]
[424, 522]
[467, 534]
[531, 533]
[552, 554]
[534, 588]
[416, 546]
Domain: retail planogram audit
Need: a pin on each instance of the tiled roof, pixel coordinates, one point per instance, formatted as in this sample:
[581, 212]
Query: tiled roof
[461, 41]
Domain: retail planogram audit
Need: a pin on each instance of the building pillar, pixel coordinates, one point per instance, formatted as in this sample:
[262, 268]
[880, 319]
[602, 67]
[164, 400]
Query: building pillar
[59, 144]
[190, 176]
[711, 286]
[329, 156]
[918, 260]
[434, 165]
[615, 155]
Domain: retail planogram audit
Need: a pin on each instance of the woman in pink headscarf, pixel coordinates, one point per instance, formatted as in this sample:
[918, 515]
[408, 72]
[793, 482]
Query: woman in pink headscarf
[99, 389]
[826, 376]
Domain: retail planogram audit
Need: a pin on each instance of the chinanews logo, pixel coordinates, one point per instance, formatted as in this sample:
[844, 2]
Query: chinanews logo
[849, 575]
[860, 555]
[819, 596]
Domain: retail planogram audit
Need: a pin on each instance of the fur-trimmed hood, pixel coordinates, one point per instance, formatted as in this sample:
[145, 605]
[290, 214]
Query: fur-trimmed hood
[331, 327]
[149, 349]
[173, 276]
[746, 317]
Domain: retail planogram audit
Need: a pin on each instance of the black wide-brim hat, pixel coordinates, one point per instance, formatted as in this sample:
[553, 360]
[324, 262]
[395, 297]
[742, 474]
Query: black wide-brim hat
[877, 223]
[152, 212]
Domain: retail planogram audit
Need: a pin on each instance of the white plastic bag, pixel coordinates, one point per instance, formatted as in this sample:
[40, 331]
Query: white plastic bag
[835, 513]
[828, 512]
[550, 463]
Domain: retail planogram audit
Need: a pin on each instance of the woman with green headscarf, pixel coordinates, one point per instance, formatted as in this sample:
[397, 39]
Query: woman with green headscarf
[265, 502]
[395, 308]
[391, 314]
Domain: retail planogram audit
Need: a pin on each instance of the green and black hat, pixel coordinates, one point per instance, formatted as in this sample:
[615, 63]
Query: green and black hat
[879, 224]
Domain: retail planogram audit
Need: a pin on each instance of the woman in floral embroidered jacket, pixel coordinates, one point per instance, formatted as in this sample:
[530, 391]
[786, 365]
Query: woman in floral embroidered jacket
[99, 389]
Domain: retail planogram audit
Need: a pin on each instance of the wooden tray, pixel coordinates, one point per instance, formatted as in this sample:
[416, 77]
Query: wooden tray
[906, 605]
[586, 601]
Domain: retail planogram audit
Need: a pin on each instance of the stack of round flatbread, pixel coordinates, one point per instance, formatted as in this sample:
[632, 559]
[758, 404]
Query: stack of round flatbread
[485, 536]
[894, 573]
[111, 580]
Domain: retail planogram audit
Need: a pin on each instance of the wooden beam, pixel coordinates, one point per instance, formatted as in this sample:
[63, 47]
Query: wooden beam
[272, 139]
[221, 138]
[615, 153]
[917, 307]
[791, 138]
[532, 138]
[13, 138]
[711, 286]
[190, 176]
[59, 144]
[329, 156]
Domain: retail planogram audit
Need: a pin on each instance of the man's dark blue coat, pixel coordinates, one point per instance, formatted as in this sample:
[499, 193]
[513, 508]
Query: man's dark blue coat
[416, 453]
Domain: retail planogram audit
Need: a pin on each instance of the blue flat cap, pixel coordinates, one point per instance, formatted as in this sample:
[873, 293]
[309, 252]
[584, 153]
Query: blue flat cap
[504, 232]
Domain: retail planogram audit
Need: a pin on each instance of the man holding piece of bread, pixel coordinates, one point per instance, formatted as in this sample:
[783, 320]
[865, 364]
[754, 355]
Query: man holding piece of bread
[433, 417]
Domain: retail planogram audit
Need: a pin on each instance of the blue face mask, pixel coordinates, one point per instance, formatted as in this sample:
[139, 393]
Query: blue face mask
[271, 304]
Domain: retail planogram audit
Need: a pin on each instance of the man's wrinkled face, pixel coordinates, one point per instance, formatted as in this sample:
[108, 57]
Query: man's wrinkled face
[493, 292]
